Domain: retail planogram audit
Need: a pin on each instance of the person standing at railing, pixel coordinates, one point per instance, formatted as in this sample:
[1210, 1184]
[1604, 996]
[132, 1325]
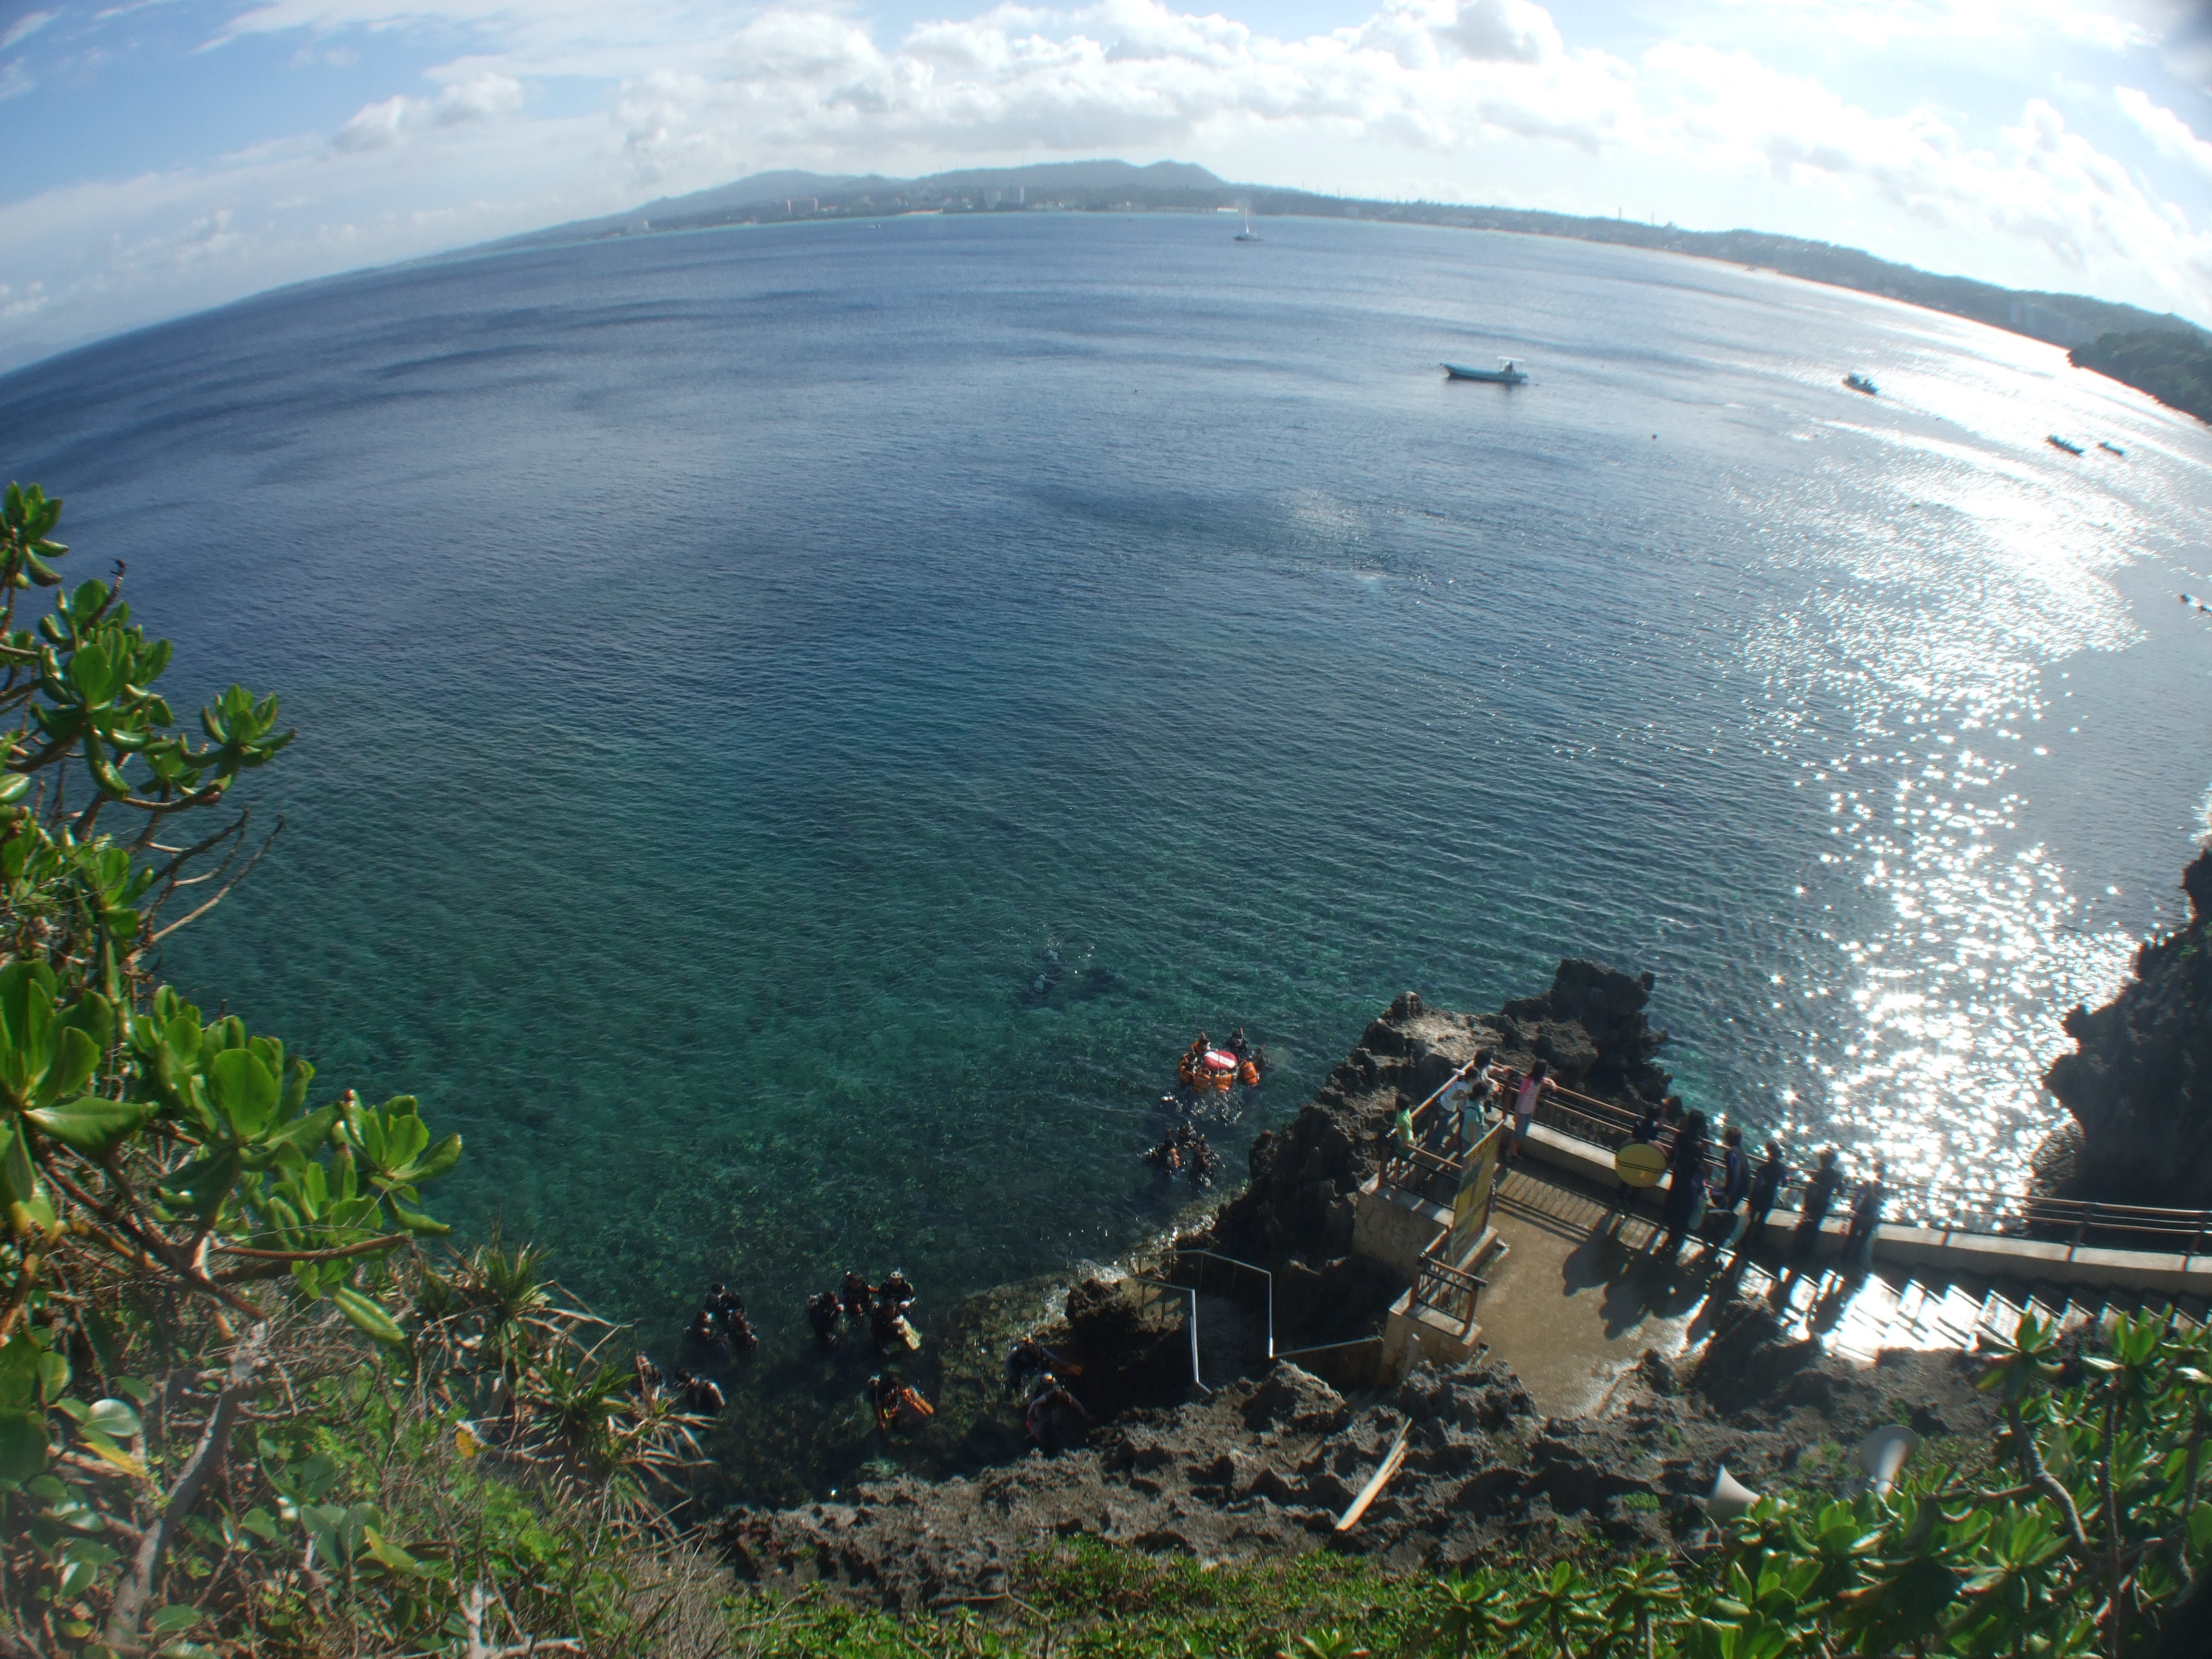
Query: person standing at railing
[1820, 1197]
[1645, 1134]
[1734, 1186]
[1470, 1087]
[1685, 1185]
[1532, 1090]
[1766, 1184]
[1402, 1132]
[1866, 1220]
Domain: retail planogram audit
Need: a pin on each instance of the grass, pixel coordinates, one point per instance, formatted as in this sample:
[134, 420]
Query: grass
[1087, 1600]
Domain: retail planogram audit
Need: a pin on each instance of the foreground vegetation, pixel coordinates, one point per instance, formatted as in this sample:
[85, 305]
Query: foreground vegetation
[2081, 1530]
[251, 1404]
[242, 1408]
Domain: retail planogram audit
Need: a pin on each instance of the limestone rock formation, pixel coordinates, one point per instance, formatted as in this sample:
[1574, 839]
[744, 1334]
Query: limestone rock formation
[2139, 1082]
[1591, 1026]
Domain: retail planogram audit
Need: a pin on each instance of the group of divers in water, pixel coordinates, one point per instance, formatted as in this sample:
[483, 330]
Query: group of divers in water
[721, 1332]
[1204, 1076]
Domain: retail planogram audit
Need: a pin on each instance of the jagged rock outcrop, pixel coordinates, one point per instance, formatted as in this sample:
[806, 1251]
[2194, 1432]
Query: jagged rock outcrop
[1265, 1466]
[2139, 1082]
[1591, 1026]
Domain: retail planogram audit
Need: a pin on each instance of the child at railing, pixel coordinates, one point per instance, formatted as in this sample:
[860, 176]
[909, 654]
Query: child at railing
[1532, 1089]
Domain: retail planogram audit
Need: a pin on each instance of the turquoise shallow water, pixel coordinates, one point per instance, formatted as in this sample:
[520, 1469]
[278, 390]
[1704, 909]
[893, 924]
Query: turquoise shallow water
[731, 668]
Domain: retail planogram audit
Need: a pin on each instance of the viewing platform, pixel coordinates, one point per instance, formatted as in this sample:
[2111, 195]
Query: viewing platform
[1572, 1292]
[1535, 1262]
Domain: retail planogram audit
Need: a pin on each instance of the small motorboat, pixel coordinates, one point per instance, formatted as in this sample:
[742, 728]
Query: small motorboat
[1860, 383]
[2112, 449]
[1505, 374]
[2057, 442]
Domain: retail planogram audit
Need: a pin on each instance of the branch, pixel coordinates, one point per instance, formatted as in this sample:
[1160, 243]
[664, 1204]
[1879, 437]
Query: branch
[225, 891]
[154, 1252]
[2044, 1482]
[132, 1594]
[473, 1613]
[184, 855]
[280, 1258]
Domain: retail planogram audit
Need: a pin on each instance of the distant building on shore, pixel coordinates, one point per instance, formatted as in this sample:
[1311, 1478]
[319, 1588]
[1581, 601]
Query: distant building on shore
[2041, 322]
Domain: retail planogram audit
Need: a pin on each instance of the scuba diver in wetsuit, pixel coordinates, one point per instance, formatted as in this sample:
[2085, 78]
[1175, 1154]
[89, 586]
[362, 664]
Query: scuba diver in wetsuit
[724, 1304]
[822, 1313]
[703, 1395]
[855, 1294]
[892, 1400]
[706, 1332]
[1053, 1413]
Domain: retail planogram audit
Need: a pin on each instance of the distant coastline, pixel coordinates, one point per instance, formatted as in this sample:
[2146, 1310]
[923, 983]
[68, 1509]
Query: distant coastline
[2161, 354]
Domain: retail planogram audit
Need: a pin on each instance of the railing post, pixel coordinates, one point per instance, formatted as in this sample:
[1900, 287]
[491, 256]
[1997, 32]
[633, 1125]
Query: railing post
[2081, 1230]
[1197, 1381]
[2196, 1240]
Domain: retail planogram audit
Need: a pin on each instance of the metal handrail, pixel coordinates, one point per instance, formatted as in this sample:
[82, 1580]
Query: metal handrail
[1248, 1267]
[1196, 1381]
[1989, 1211]
[1451, 1291]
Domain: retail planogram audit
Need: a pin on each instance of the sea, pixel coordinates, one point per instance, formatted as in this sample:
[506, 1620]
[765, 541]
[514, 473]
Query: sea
[799, 726]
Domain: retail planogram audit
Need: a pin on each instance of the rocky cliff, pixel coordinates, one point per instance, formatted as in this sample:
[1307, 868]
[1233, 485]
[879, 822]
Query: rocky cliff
[2139, 1082]
[1591, 1026]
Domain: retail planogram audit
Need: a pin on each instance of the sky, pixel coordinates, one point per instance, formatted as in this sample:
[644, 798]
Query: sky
[160, 157]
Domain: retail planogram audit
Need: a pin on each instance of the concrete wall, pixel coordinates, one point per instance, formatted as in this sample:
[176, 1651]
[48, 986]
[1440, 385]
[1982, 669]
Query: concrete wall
[1936, 1250]
[1395, 1228]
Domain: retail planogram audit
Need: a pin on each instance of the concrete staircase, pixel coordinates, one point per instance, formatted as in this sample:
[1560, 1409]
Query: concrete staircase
[1897, 1311]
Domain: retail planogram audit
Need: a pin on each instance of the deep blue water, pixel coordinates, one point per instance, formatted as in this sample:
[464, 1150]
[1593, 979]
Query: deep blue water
[728, 665]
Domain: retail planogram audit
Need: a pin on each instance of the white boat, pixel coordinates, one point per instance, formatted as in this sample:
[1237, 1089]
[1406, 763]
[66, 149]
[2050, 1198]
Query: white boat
[1505, 374]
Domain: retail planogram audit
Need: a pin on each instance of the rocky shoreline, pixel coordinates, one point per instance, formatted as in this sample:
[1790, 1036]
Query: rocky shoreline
[2138, 1086]
[1265, 1465]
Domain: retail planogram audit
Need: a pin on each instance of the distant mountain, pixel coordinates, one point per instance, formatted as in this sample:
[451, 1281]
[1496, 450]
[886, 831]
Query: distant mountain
[836, 194]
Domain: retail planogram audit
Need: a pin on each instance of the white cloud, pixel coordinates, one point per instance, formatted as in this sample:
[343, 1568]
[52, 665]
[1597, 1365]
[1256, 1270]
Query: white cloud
[2167, 132]
[25, 27]
[1126, 74]
[1979, 25]
[2040, 184]
[1478, 100]
[18, 303]
[381, 125]
[1504, 31]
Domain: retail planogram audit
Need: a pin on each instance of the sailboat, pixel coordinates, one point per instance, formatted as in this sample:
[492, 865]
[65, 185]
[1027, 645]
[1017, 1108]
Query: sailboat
[1248, 235]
